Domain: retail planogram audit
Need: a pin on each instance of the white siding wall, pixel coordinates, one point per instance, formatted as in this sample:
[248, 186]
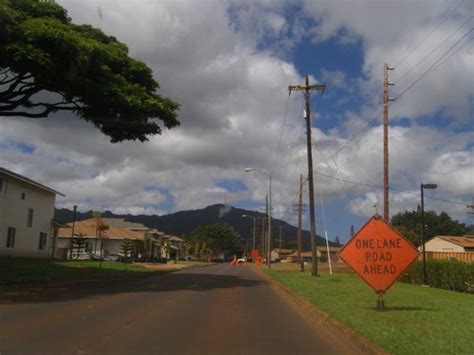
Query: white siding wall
[14, 213]
[437, 244]
[109, 245]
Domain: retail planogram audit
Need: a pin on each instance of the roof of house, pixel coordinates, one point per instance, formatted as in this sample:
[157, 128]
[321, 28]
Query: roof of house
[88, 229]
[465, 241]
[178, 239]
[283, 250]
[331, 249]
[28, 181]
[304, 254]
[122, 223]
[155, 231]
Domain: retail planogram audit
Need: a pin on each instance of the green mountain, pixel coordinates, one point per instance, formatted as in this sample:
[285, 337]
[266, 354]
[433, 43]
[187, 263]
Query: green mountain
[184, 222]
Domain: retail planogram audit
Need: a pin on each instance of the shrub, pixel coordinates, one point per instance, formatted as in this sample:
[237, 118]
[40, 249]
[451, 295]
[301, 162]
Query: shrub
[447, 274]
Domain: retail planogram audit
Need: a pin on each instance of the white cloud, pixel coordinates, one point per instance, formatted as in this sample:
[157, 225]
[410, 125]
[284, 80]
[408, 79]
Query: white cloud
[207, 55]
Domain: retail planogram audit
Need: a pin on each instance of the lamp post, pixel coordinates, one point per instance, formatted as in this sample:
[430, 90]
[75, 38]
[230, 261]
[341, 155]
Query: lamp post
[422, 187]
[269, 244]
[72, 232]
[254, 227]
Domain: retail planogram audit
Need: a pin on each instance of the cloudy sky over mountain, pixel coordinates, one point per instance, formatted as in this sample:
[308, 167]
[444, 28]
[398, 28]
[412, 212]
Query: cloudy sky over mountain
[229, 64]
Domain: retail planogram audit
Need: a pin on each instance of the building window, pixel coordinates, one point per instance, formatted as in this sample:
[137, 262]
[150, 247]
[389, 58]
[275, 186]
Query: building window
[11, 237]
[3, 186]
[30, 217]
[23, 195]
[42, 241]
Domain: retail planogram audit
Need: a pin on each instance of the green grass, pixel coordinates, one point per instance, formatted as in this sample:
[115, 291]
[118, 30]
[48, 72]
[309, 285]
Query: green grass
[417, 319]
[19, 270]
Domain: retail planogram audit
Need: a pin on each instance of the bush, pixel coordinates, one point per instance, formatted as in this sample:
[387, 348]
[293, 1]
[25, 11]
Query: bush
[451, 275]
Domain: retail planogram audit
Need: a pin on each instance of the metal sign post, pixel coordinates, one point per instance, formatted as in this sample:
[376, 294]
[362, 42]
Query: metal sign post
[379, 255]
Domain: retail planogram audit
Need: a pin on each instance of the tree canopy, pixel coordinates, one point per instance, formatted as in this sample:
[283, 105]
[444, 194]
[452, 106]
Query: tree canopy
[408, 223]
[49, 64]
[215, 239]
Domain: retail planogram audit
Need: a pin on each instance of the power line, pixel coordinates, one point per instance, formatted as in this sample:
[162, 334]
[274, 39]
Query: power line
[432, 51]
[298, 131]
[390, 187]
[427, 71]
[429, 34]
[452, 54]
[281, 133]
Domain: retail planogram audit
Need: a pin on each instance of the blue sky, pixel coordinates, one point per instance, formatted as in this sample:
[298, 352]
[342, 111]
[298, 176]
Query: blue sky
[229, 64]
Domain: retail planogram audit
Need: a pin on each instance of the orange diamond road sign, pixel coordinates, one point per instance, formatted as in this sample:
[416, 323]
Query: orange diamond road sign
[378, 254]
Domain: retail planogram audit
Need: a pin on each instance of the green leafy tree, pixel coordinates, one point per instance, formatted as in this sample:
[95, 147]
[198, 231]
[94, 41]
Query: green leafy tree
[409, 224]
[216, 239]
[127, 248]
[79, 242]
[82, 69]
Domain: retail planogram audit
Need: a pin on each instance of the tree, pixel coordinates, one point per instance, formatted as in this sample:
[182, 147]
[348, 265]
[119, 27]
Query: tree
[79, 242]
[216, 239]
[81, 69]
[127, 248]
[409, 224]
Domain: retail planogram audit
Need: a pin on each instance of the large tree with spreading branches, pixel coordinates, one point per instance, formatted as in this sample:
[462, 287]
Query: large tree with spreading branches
[48, 64]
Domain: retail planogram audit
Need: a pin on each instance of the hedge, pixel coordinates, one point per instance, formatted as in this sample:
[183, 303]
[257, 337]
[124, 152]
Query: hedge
[447, 274]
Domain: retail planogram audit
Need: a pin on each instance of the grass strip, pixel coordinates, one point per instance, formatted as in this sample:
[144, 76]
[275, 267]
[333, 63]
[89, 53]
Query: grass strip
[417, 319]
[22, 270]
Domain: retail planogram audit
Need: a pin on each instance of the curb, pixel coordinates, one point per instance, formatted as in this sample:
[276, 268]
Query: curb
[318, 316]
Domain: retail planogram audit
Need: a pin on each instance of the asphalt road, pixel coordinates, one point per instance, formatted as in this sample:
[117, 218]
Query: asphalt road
[217, 309]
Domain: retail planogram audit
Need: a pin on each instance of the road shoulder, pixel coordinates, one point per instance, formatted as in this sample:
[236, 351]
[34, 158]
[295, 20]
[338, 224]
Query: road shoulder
[321, 321]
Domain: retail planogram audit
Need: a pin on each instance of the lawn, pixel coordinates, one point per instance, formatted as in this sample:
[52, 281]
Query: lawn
[417, 319]
[18, 270]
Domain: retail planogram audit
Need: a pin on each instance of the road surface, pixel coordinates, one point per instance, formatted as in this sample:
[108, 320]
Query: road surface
[219, 309]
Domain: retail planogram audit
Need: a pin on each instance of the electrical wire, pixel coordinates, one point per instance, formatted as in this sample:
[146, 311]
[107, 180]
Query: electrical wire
[404, 75]
[390, 188]
[281, 134]
[429, 34]
[429, 71]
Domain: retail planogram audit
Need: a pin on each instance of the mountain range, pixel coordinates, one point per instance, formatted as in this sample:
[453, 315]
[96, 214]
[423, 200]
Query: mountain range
[184, 222]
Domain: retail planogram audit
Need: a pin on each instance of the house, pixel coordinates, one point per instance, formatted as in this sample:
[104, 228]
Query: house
[26, 216]
[280, 254]
[445, 243]
[307, 256]
[107, 239]
[122, 223]
[333, 252]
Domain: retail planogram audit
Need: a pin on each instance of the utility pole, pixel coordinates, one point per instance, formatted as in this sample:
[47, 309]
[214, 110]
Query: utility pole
[269, 242]
[262, 237]
[386, 99]
[280, 240]
[299, 210]
[306, 88]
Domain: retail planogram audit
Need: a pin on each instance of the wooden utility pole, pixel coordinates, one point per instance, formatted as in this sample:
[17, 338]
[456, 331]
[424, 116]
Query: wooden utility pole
[300, 213]
[306, 88]
[386, 99]
[269, 243]
[262, 237]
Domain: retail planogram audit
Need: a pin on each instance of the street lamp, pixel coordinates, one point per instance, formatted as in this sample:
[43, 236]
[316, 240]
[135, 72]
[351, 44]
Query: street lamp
[269, 244]
[424, 186]
[254, 227]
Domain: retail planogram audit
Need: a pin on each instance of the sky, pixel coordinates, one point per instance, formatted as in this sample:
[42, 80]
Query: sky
[229, 63]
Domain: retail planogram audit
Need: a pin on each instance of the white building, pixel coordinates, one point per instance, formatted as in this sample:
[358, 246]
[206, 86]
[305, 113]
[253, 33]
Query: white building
[445, 243]
[26, 214]
[109, 240]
